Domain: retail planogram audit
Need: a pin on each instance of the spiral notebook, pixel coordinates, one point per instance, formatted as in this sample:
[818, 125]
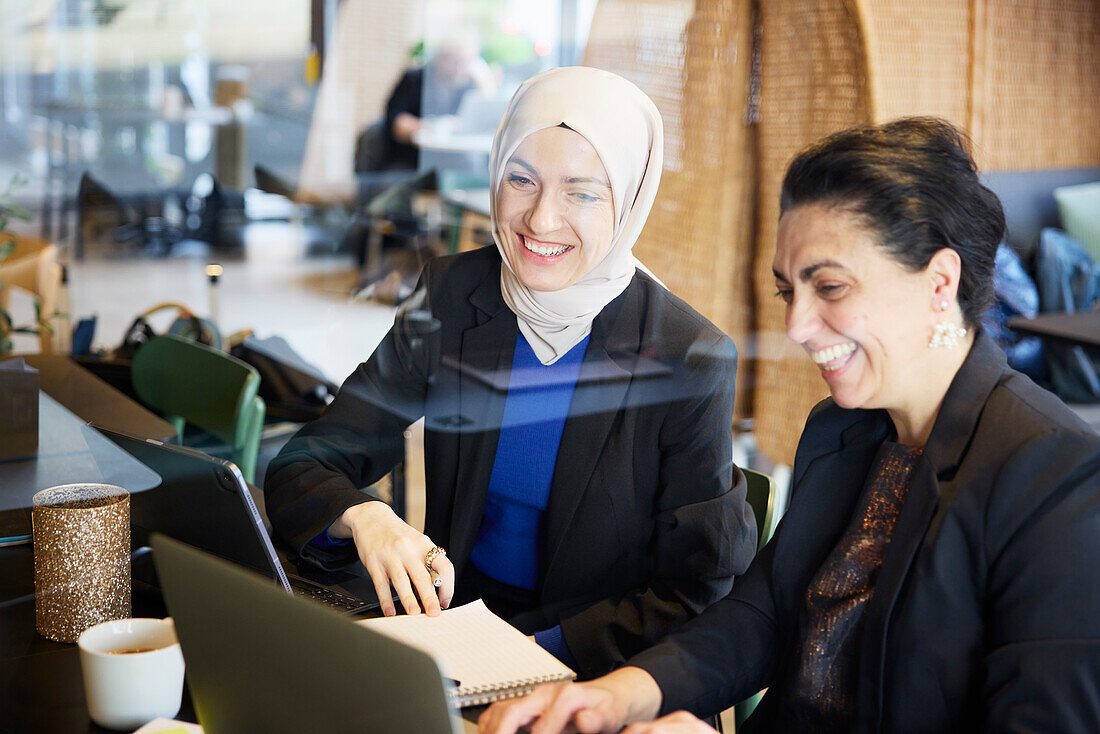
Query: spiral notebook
[488, 658]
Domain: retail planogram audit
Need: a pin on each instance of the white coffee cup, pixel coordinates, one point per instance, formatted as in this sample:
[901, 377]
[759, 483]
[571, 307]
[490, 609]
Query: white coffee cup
[133, 671]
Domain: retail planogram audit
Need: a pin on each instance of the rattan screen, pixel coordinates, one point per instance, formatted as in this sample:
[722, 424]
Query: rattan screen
[693, 59]
[1023, 76]
[813, 82]
[1037, 84]
[643, 40]
[918, 55]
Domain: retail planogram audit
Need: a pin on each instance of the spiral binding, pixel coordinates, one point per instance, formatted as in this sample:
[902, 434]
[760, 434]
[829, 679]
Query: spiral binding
[490, 693]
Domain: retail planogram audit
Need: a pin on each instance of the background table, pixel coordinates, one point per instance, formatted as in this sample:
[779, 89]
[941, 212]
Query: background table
[1080, 329]
[94, 400]
[69, 451]
[472, 212]
[40, 685]
[430, 138]
[41, 689]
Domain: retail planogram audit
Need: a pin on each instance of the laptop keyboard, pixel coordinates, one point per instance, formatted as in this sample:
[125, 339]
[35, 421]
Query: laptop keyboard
[333, 599]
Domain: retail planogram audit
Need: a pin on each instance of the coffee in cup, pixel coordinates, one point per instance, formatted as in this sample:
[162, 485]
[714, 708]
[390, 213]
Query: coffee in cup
[133, 672]
[131, 651]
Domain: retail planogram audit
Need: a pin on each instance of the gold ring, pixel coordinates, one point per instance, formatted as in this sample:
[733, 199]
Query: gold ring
[434, 553]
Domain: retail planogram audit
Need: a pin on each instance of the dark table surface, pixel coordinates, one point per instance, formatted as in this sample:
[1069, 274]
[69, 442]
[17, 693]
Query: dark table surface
[41, 689]
[94, 400]
[1081, 328]
[69, 451]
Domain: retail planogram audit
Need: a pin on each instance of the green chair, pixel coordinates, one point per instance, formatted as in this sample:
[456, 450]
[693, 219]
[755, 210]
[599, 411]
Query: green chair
[192, 383]
[761, 496]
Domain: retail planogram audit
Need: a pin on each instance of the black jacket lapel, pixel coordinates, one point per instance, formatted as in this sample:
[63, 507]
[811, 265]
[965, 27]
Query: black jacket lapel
[488, 347]
[931, 489]
[834, 482]
[601, 389]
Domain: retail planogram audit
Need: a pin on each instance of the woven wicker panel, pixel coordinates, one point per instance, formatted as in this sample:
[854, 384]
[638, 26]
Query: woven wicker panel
[693, 59]
[813, 83]
[919, 57]
[643, 40]
[1037, 90]
[371, 50]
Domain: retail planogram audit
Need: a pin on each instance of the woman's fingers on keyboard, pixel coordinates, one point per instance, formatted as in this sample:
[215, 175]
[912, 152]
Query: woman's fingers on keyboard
[393, 553]
[381, 583]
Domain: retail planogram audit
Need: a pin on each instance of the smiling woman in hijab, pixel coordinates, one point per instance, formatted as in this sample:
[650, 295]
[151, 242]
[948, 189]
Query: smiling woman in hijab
[577, 418]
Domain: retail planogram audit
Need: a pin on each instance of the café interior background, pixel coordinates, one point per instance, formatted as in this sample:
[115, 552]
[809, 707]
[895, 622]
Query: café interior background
[170, 107]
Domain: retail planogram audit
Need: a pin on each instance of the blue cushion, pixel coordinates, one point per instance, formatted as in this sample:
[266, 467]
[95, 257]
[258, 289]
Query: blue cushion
[1016, 296]
[1067, 277]
[1068, 280]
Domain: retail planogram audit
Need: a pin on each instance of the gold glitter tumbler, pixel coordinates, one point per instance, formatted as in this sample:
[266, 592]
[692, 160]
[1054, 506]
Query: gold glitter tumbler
[81, 558]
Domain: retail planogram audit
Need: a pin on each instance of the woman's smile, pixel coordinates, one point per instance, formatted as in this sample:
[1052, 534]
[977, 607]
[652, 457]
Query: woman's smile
[546, 252]
[833, 358]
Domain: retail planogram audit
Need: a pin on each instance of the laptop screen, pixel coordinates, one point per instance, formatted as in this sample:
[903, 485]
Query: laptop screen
[202, 501]
[262, 661]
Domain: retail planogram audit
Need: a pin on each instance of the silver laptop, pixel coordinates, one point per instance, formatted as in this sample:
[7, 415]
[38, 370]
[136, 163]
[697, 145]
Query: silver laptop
[206, 502]
[259, 660]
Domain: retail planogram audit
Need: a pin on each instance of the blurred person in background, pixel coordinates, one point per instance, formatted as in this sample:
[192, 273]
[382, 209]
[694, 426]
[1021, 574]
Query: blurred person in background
[424, 94]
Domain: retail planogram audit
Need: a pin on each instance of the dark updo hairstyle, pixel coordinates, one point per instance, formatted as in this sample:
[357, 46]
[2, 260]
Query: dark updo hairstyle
[916, 188]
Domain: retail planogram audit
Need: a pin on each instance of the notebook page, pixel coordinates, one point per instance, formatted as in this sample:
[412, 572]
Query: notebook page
[475, 647]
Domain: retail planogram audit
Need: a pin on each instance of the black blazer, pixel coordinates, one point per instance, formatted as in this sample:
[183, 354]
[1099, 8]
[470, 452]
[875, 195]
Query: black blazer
[986, 611]
[647, 522]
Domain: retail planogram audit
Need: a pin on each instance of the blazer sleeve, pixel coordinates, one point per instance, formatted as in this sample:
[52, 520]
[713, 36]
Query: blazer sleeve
[731, 651]
[354, 443]
[724, 655]
[704, 530]
[1042, 662]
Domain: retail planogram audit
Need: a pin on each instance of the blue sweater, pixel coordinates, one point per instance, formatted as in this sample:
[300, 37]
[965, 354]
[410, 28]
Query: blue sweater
[519, 486]
[527, 450]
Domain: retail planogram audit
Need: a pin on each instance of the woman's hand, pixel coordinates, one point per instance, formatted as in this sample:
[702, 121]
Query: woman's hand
[603, 705]
[393, 553]
[680, 722]
[405, 127]
[550, 708]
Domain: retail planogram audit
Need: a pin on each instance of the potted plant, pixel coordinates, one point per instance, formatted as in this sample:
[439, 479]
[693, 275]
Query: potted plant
[11, 210]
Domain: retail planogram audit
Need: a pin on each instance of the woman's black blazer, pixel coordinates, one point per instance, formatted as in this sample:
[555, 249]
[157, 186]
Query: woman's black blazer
[647, 522]
[986, 611]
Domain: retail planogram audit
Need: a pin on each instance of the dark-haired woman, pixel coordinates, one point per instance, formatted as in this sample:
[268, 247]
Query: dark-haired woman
[938, 567]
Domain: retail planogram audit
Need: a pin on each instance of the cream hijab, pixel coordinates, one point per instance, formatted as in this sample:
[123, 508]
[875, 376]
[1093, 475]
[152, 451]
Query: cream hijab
[624, 127]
